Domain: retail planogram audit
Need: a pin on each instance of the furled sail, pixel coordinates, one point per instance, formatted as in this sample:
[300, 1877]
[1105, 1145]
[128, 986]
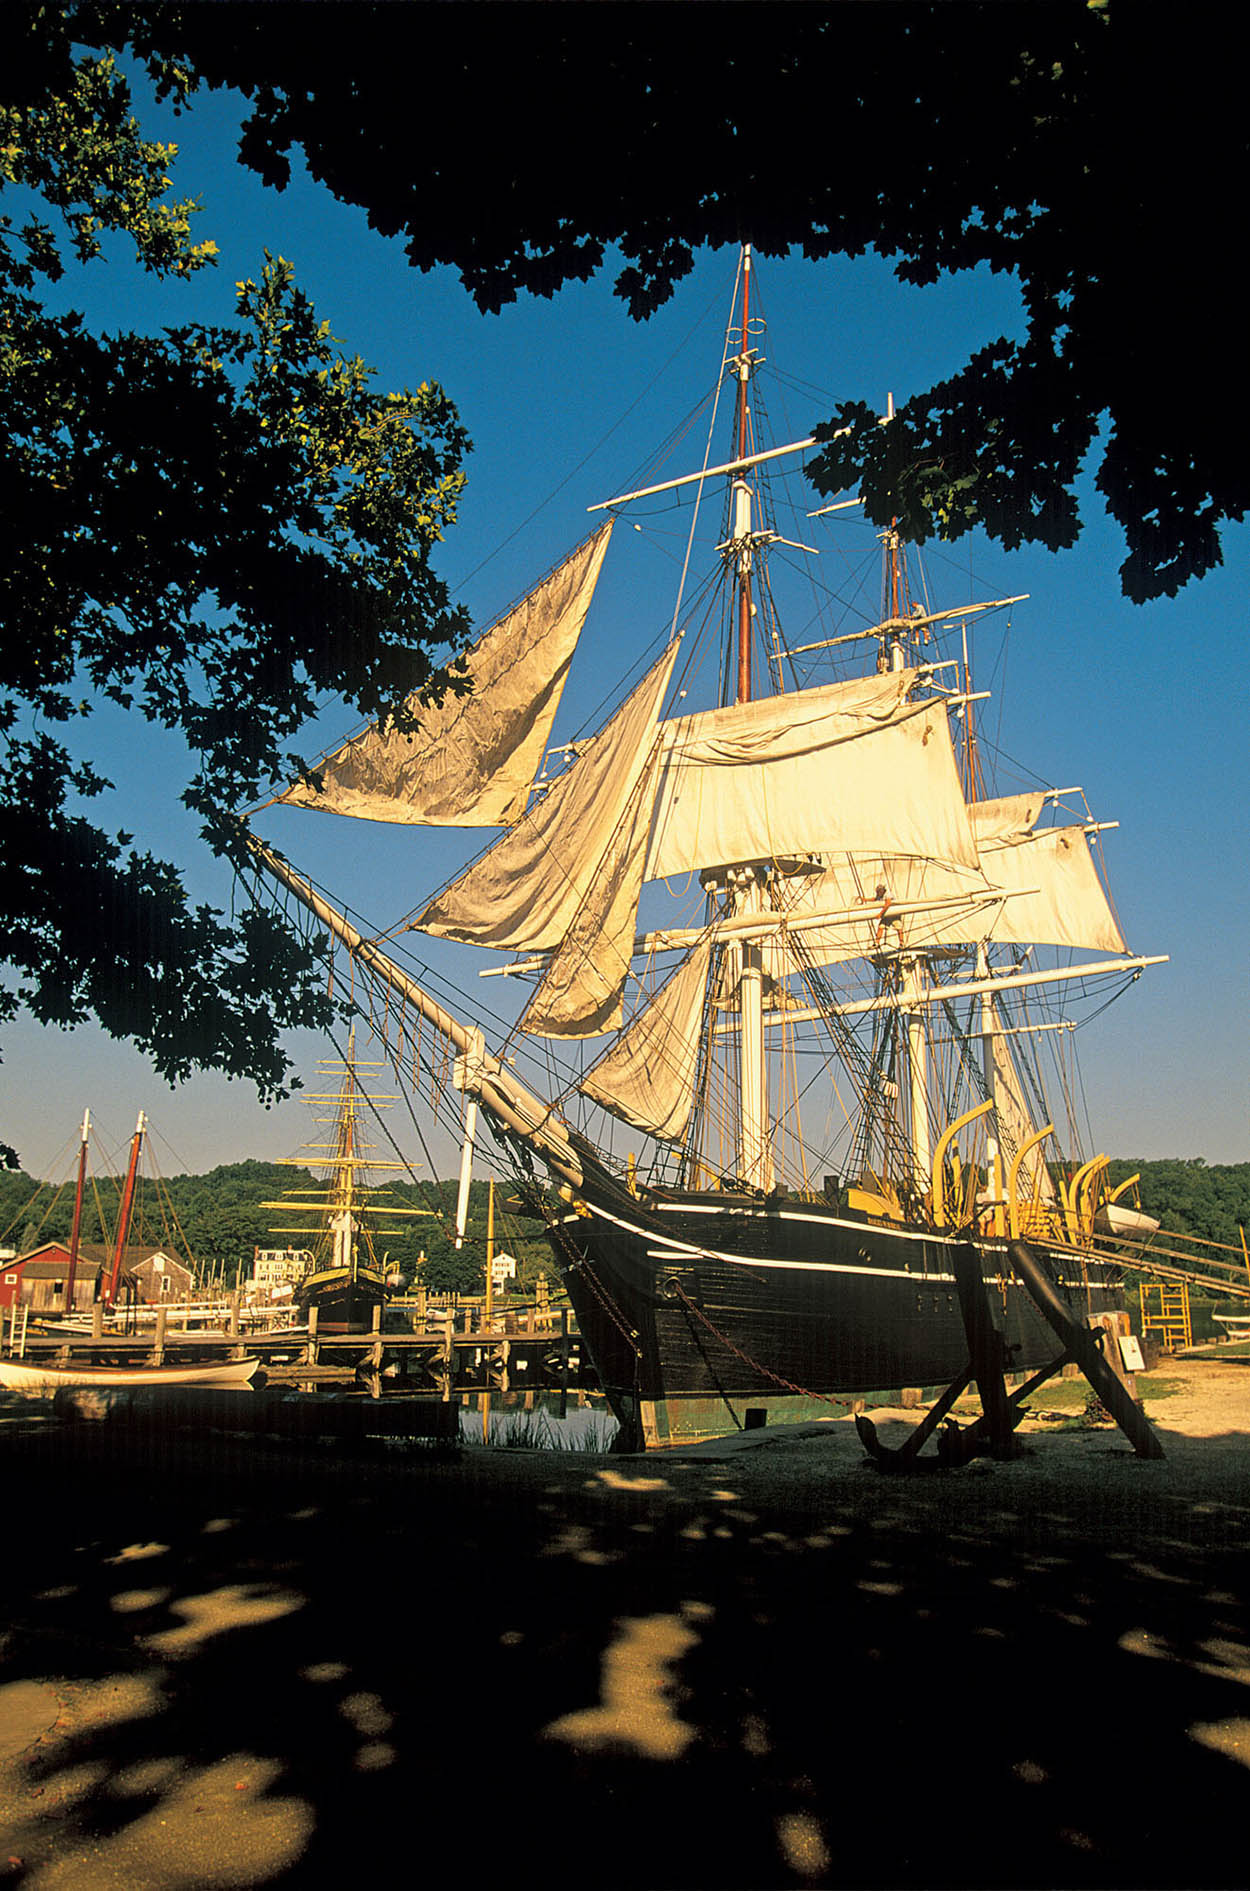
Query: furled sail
[847, 767]
[526, 891]
[648, 1077]
[473, 758]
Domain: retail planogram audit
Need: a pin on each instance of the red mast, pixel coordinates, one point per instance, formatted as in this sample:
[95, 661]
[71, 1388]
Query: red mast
[128, 1197]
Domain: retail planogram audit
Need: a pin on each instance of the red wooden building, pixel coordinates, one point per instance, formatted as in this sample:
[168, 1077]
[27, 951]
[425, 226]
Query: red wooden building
[38, 1279]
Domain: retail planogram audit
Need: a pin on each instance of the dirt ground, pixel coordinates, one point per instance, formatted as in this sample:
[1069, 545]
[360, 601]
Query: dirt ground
[234, 1663]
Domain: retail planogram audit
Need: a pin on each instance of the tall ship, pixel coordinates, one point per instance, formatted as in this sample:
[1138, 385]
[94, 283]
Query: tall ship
[338, 1226]
[788, 963]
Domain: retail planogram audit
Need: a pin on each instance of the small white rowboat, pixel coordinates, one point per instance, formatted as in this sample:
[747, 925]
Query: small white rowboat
[39, 1380]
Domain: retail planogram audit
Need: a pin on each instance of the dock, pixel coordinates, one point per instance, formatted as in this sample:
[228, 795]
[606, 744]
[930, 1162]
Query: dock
[526, 1352]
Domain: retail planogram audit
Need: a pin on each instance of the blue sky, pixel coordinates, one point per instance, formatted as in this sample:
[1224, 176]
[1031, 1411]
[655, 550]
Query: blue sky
[565, 401]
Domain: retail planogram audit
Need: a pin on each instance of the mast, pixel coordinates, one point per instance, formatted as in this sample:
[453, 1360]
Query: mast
[490, 1247]
[342, 1224]
[989, 1069]
[128, 1197]
[742, 493]
[77, 1227]
[915, 977]
[343, 1205]
[914, 968]
[893, 587]
[754, 1155]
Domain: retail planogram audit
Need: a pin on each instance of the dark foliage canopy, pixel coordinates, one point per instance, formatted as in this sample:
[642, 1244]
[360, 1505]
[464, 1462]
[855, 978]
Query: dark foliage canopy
[209, 526]
[1092, 149]
[218, 574]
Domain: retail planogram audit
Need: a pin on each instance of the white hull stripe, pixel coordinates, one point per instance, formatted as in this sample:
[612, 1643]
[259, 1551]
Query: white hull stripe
[679, 1251]
[684, 1251]
[797, 1215]
[802, 1267]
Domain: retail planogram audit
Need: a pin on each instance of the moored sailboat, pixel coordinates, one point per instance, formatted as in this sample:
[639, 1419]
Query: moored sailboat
[39, 1376]
[799, 901]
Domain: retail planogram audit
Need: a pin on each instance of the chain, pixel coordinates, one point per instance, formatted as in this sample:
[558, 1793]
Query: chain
[558, 1238]
[829, 1398]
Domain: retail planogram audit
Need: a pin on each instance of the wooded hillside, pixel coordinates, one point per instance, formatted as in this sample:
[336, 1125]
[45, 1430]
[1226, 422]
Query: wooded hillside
[1191, 1197]
[218, 1219]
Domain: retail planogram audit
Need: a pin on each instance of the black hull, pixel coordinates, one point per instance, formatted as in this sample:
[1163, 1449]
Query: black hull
[708, 1313]
[342, 1305]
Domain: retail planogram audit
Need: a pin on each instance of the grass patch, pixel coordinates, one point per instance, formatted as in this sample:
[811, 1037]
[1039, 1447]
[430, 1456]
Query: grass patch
[1156, 1385]
[1072, 1395]
[1066, 1401]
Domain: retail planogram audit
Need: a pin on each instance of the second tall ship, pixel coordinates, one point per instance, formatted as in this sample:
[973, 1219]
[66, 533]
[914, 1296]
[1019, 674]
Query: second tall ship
[338, 1225]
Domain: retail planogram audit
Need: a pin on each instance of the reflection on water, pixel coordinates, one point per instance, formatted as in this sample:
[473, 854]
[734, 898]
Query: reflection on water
[521, 1420]
[590, 1427]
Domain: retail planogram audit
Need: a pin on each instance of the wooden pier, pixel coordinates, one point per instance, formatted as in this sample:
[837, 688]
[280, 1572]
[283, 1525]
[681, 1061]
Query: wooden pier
[540, 1353]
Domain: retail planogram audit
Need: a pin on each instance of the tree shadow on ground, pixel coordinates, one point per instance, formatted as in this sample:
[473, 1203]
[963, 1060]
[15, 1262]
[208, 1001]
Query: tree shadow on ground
[274, 1668]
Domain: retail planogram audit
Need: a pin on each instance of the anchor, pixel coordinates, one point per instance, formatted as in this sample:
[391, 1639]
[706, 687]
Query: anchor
[989, 1359]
